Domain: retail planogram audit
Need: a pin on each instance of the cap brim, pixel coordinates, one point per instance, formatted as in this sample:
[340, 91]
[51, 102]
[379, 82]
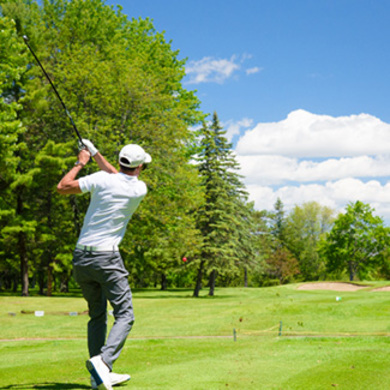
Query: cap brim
[148, 158]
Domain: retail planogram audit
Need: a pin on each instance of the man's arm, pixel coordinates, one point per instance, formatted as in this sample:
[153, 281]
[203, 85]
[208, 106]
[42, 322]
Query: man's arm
[102, 163]
[68, 184]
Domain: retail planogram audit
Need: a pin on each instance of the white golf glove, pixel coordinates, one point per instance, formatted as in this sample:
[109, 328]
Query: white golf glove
[90, 146]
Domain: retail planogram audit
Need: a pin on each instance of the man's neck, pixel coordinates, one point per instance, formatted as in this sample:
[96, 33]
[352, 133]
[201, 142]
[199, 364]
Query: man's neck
[134, 172]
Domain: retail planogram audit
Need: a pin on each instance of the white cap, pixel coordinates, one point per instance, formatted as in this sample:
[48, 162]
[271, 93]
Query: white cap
[131, 156]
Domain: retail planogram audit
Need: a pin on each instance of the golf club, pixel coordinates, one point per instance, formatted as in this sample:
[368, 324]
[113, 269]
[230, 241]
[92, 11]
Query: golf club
[81, 144]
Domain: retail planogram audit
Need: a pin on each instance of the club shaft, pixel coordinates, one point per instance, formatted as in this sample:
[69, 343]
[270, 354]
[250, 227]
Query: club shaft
[56, 92]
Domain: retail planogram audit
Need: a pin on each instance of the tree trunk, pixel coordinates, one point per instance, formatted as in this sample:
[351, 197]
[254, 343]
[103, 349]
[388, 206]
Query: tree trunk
[22, 250]
[76, 214]
[163, 282]
[245, 277]
[351, 272]
[64, 283]
[212, 278]
[23, 263]
[15, 283]
[198, 285]
[49, 281]
[41, 281]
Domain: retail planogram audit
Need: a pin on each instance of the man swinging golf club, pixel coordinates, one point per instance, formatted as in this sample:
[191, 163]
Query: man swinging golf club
[97, 263]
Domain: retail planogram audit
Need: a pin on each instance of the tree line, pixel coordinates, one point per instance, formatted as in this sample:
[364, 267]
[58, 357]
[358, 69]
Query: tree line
[123, 83]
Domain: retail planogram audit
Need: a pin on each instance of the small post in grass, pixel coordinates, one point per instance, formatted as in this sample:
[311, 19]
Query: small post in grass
[280, 328]
[234, 334]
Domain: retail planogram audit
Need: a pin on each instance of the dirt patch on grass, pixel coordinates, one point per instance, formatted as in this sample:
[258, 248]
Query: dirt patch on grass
[333, 286]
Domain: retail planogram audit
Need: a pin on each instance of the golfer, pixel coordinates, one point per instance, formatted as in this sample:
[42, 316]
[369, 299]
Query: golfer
[97, 264]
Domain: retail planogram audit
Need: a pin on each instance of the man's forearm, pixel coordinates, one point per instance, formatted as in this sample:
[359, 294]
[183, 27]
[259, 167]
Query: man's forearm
[103, 164]
[68, 184]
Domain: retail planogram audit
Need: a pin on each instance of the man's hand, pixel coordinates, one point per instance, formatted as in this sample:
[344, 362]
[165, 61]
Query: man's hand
[68, 184]
[102, 163]
[84, 157]
[91, 147]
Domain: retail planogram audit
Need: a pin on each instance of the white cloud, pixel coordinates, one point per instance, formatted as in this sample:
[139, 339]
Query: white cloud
[210, 69]
[332, 194]
[253, 70]
[217, 70]
[275, 170]
[234, 127]
[308, 157]
[304, 134]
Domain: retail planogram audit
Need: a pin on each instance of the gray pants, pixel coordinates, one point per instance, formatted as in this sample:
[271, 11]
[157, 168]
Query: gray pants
[102, 276]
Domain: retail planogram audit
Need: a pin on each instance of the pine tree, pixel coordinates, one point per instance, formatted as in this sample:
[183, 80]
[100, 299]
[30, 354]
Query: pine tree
[224, 218]
[281, 263]
[16, 224]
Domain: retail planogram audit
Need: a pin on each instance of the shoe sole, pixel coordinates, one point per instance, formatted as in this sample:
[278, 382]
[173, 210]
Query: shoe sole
[99, 383]
[114, 383]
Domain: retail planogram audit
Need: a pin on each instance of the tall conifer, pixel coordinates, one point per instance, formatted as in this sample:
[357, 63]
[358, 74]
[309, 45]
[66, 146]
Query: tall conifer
[225, 219]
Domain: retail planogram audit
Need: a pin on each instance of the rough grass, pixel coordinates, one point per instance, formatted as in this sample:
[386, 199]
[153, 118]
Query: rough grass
[175, 343]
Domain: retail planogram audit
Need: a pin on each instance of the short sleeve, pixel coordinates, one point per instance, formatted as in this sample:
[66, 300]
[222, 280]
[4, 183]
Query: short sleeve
[91, 182]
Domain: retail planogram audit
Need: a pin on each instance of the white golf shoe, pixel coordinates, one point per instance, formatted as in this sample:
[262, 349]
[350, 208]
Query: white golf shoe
[100, 373]
[115, 379]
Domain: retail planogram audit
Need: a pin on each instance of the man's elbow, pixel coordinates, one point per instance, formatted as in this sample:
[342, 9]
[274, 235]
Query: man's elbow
[68, 188]
[60, 189]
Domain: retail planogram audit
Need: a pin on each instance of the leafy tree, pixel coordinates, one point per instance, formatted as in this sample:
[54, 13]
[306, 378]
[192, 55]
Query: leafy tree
[307, 224]
[122, 83]
[383, 271]
[54, 240]
[357, 242]
[163, 235]
[282, 265]
[225, 220]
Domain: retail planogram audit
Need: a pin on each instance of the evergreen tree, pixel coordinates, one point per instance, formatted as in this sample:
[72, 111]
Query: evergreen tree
[225, 219]
[16, 223]
[281, 263]
[279, 223]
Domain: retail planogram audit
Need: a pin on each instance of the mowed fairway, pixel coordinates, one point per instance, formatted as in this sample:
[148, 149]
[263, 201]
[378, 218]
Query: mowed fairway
[179, 342]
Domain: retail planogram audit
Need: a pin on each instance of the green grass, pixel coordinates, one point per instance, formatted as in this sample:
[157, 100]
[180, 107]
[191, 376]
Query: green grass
[175, 342]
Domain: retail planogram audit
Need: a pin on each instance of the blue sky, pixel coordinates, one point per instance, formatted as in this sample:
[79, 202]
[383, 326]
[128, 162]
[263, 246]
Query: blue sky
[326, 56]
[301, 86]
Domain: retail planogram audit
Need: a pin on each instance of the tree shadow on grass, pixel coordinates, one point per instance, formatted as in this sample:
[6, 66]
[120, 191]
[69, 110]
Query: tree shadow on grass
[172, 293]
[47, 386]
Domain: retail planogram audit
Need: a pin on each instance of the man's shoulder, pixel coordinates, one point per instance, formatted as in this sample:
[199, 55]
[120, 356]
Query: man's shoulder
[142, 186]
[94, 176]
[138, 186]
[93, 180]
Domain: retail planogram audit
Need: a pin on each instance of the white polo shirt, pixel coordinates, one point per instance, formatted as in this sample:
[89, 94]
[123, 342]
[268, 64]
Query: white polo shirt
[114, 198]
